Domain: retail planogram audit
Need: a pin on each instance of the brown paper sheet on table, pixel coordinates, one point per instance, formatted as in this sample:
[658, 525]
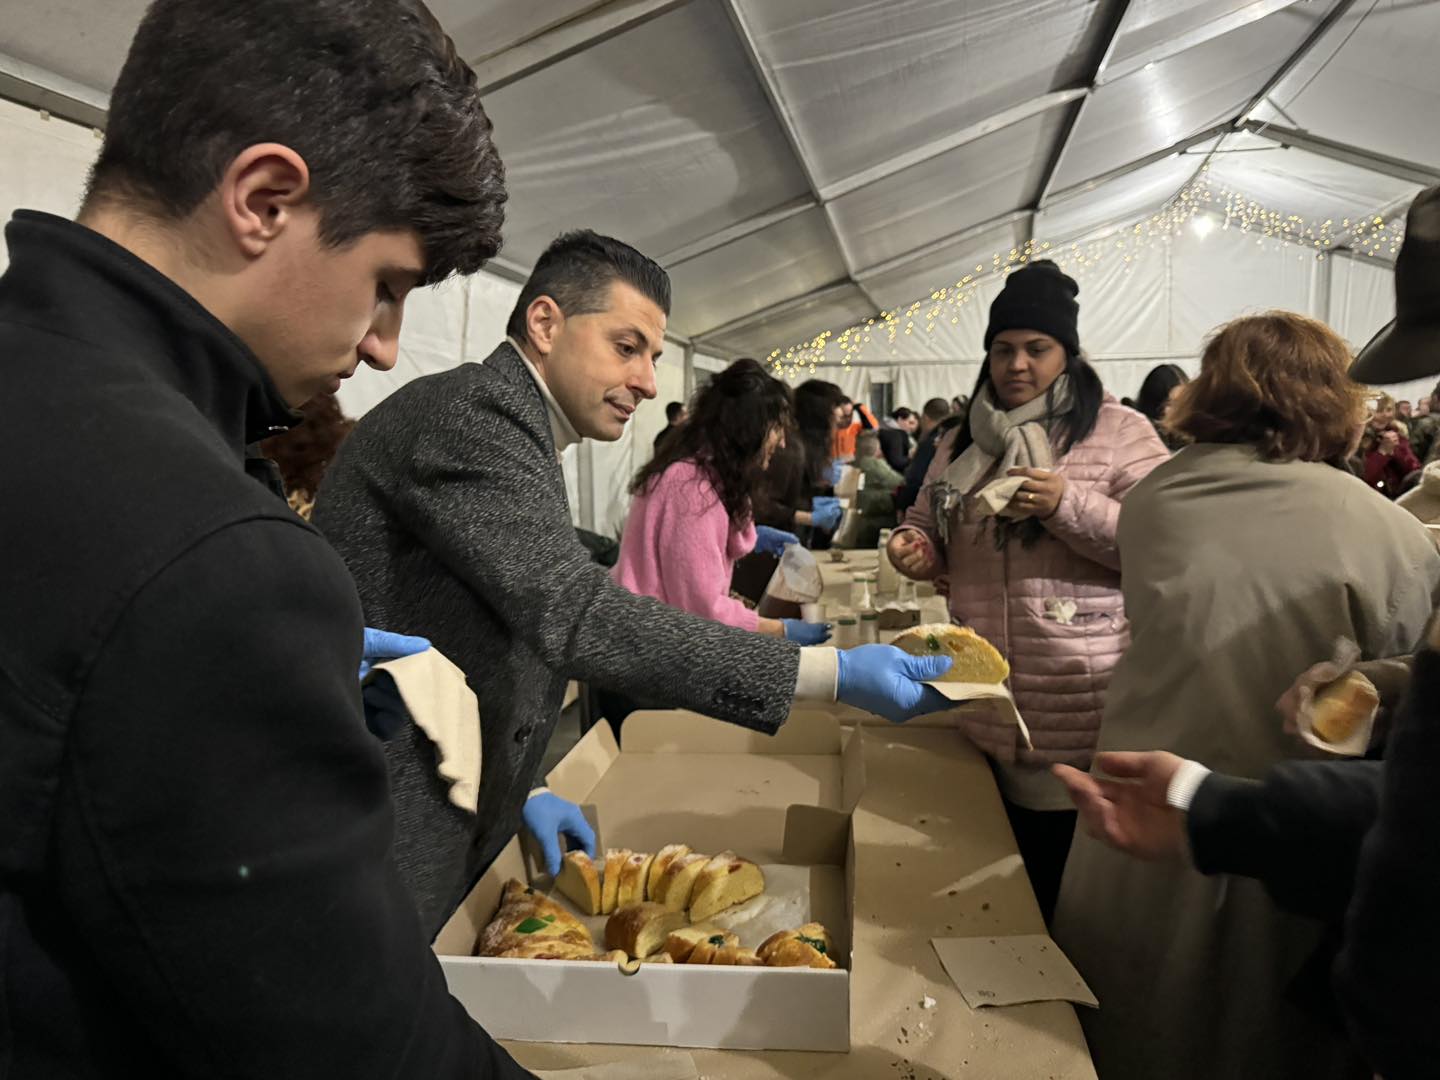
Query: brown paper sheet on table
[991, 697]
[672, 1066]
[1012, 970]
[446, 709]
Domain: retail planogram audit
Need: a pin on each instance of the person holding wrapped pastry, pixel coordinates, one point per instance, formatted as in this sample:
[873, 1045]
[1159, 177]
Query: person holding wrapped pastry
[1244, 558]
[1019, 511]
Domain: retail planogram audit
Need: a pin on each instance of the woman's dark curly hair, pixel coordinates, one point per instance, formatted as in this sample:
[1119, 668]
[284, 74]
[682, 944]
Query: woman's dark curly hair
[815, 403]
[306, 450]
[730, 419]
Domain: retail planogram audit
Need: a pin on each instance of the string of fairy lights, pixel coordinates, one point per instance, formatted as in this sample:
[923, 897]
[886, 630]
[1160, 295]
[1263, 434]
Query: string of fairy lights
[1200, 201]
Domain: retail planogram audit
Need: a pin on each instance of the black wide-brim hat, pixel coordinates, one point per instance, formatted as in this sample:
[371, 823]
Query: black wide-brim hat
[1409, 348]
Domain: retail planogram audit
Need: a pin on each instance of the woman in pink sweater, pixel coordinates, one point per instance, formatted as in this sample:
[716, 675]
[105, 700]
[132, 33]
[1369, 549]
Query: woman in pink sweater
[1019, 511]
[690, 518]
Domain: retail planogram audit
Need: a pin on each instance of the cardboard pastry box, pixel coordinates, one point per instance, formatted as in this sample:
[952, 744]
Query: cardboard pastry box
[683, 778]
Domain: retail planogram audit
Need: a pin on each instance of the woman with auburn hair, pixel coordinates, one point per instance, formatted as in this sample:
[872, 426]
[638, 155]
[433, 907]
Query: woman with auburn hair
[1242, 560]
[305, 451]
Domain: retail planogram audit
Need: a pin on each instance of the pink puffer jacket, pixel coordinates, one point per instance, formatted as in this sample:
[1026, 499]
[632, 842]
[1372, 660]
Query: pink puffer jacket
[1020, 598]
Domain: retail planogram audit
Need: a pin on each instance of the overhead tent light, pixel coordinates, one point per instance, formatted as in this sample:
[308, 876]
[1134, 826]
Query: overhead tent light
[1202, 225]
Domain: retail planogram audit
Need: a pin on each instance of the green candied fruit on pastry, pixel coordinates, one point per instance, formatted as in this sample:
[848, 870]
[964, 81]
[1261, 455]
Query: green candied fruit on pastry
[814, 943]
[532, 925]
[716, 939]
[932, 642]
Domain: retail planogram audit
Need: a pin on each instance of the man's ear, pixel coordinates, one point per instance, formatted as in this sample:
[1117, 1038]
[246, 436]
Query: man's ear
[543, 321]
[260, 192]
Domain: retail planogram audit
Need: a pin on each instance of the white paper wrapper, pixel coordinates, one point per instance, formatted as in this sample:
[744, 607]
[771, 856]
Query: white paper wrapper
[797, 578]
[990, 696]
[1344, 658]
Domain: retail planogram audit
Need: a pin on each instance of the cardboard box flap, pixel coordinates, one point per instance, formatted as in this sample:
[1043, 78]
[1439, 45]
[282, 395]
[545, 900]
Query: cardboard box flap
[852, 770]
[1011, 970]
[575, 777]
[816, 836]
[680, 732]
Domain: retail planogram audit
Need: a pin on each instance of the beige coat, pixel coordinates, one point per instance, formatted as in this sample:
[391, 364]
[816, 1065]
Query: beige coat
[1237, 575]
[1423, 500]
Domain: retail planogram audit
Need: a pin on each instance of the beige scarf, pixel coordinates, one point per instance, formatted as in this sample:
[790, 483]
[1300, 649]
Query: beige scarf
[1017, 439]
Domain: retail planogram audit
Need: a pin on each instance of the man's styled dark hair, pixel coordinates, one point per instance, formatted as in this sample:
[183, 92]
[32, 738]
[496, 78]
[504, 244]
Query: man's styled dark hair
[369, 92]
[673, 411]
[936, 409]
[902, 413]
[576, 271]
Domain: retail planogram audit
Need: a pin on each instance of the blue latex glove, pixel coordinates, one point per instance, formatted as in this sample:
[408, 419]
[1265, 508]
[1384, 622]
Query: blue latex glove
[547, 816]
[887, 682]
[837, 469]
[383, 645]
[770, 541]
[825, 512]
[806, 633]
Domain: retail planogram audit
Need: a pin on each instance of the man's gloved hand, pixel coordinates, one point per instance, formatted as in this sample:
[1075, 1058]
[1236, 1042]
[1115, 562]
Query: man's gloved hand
[770, 541]
[837, 470]
[806, 633]
[825, 512]
[381, 645]
[547, 816]
[887, 682]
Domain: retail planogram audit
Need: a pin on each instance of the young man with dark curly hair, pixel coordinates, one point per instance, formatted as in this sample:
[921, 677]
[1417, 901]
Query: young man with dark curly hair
[195, 826]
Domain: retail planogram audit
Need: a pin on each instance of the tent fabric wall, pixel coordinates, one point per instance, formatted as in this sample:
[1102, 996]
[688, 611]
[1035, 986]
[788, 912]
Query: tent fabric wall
[1155, 308]
[45, 163]
[1159, 307]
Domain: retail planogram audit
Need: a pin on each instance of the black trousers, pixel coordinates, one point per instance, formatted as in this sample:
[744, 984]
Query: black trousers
[1043, 837]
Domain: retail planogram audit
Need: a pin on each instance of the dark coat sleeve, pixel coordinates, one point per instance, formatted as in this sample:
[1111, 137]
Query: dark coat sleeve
[222, 833]
[1298, 831]
[916, 470]
[895, 445]
[1385, 977]
[481, 495]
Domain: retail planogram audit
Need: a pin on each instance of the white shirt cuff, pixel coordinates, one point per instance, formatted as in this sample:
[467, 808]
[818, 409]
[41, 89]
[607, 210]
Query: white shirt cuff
[819, 674]
[1183, 785]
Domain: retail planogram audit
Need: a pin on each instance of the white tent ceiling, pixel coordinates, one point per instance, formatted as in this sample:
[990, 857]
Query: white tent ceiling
[800, 164]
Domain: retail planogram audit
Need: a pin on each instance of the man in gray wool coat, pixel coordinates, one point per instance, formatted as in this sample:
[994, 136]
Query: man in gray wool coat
[448, 503]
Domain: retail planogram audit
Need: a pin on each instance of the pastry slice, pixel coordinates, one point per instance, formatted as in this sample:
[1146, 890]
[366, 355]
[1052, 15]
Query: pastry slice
[663, 858]
[634, 872]
[681, 943]
[736, 956]
[679, 879]
[1342, 707]
[579, 882]
[525, 915]
[641, 929]
[569, 946]
[610, 884]
[809, 946]
[706, 948]
[723, 882]
[975, 659]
